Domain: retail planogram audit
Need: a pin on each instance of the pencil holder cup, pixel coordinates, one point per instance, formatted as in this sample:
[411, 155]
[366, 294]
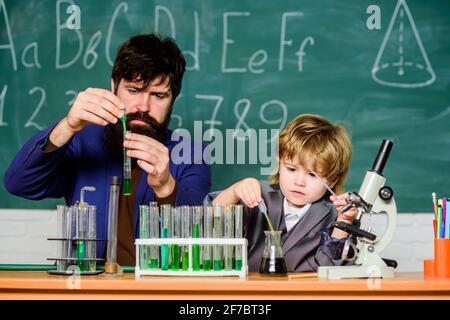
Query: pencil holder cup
[442, 258]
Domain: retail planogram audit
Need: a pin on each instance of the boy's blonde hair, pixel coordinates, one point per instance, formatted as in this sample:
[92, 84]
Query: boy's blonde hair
[312, 139]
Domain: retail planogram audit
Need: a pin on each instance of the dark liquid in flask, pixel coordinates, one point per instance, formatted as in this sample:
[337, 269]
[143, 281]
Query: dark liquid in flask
[276, 266]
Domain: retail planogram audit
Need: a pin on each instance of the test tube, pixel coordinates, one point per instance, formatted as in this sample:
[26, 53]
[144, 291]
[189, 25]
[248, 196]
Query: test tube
[126, 169]
[176, 233]
[208, 223]
[229, 234]
[238, 233]
[61, 220]
[197, 215]
[154, 234]
[218, 233]
[166, 224]
[92, 235]
[81, 232]
[113, 213]
[144, 231]
[70, 234]
[186, 222]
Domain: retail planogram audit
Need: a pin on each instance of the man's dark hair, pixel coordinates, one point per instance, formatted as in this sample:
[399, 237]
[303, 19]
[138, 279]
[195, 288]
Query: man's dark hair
[145, 57]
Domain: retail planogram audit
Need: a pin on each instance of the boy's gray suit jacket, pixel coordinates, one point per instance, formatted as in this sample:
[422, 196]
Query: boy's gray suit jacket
[306, 246]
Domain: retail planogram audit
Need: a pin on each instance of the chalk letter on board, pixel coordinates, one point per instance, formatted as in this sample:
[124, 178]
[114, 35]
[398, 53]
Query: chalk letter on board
[280, 121]
[374, 21]
[229, 41]
[90, 50]
[283, 41]
[301, 52]
[194, 54]
[60, 27]
[124, 6]
[2, 105]
[10, 44]
[219, 100]
[169, 15]
[241, 117]
[30, 122]
[32, 46]
[252, 64]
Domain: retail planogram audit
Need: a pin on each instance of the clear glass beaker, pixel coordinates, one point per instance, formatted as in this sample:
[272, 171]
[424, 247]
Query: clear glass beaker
[272, 262]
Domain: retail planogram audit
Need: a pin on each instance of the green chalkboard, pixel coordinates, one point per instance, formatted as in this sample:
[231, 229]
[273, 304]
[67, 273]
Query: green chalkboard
[251, 64]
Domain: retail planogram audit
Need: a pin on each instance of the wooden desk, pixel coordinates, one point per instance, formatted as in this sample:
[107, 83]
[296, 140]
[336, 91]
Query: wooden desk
[41, 285]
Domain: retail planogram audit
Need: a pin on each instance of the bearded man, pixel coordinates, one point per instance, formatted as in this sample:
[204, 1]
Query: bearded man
[85, 148]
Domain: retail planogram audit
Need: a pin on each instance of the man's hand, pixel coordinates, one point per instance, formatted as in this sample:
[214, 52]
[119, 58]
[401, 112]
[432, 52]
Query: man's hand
[97, 106]
[152, 157]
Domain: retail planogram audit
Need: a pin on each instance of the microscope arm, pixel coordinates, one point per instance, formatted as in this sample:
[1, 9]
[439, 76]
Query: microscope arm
[389, 208]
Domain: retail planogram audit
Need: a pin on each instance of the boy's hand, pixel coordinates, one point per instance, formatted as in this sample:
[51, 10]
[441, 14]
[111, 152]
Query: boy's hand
[340, 201]
[249, 191]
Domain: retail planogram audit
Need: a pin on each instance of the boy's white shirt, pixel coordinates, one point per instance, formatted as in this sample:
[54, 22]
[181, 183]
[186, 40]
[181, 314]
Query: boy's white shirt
[292, 215]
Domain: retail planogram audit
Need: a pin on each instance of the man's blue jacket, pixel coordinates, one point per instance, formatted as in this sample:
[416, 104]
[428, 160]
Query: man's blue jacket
[85, 161]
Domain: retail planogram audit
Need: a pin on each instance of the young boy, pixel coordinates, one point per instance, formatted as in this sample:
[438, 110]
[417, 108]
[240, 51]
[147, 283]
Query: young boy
[311, 151]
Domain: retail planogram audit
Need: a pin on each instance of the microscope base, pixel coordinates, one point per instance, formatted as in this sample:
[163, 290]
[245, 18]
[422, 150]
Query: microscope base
[349, 272]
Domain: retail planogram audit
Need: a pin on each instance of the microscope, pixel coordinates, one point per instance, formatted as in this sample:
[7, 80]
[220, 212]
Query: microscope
[373, 197]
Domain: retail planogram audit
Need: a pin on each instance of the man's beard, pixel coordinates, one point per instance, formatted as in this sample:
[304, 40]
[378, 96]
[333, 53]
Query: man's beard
[113, 136]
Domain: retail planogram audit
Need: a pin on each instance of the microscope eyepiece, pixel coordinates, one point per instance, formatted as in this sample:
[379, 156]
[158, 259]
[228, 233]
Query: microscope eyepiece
[382, 156]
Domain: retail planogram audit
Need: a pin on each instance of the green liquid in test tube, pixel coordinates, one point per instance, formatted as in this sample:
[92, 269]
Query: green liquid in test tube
[154, 234]
[81, 253]
[208, 219]
[165, 250]
[197, 217]
[218, 233]
[186, 225]
[206, 264]
[166, 225]
[238, 233]
[196, 247]
[185, 263]
[176, 233]
[154, 263]
[143, 234]
[175, 257]
[126, 162]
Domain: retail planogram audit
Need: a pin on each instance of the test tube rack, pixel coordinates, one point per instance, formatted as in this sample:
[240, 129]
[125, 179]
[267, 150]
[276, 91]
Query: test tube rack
[71, 264]
[242, 273]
